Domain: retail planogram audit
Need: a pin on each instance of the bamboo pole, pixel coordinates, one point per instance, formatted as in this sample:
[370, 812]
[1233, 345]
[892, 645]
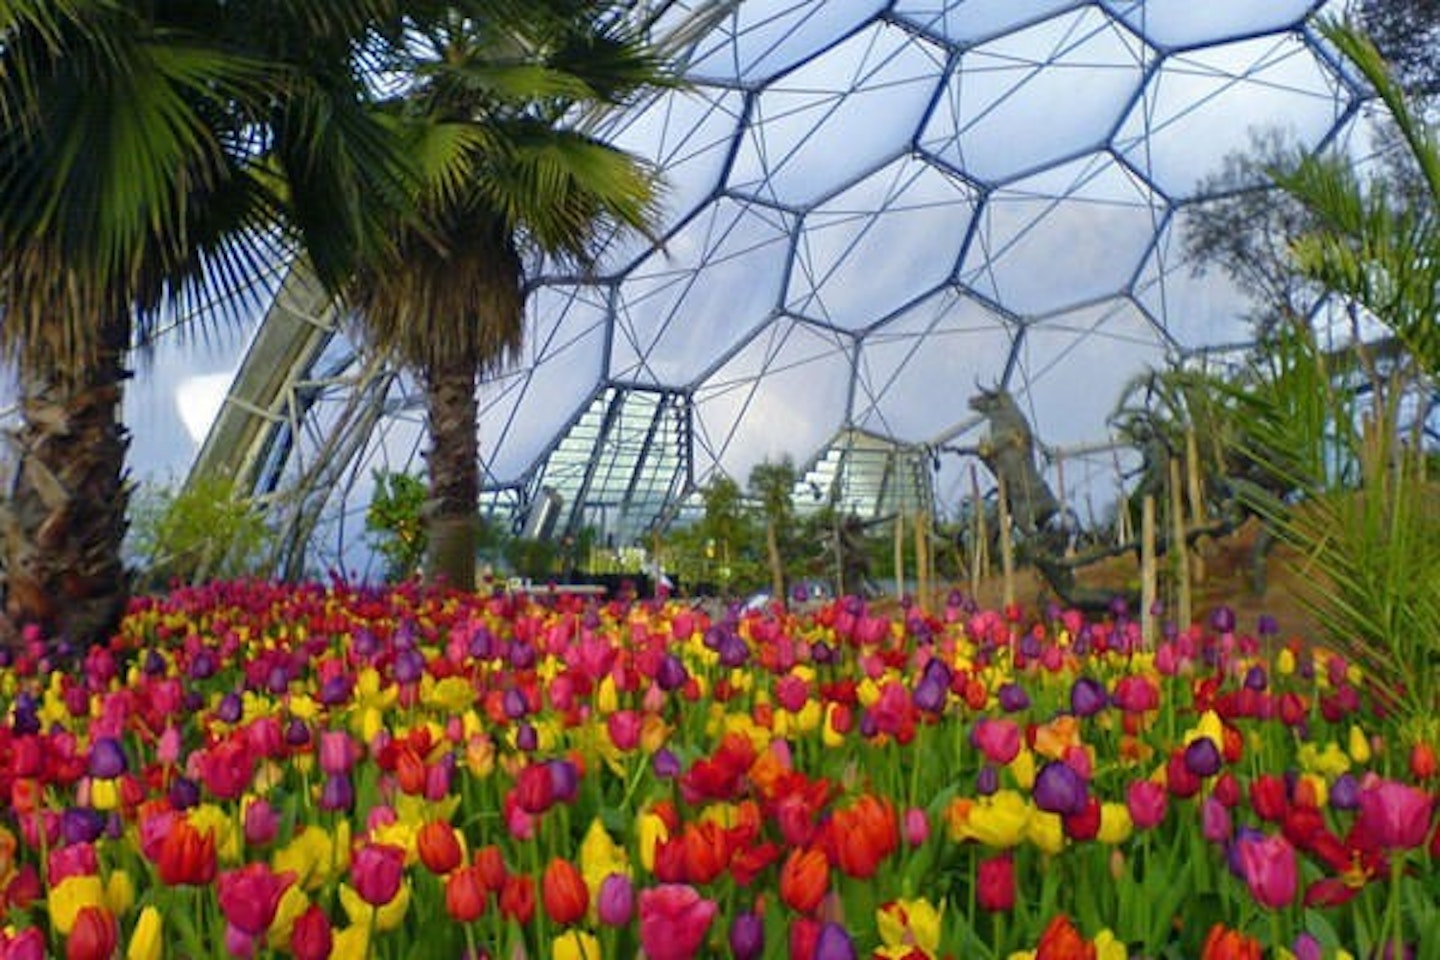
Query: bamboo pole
[1196, 492]
[899, 554]
[1007, 551]
[922, 559]
[1182, 552]
[980, 546]
[1147, 573]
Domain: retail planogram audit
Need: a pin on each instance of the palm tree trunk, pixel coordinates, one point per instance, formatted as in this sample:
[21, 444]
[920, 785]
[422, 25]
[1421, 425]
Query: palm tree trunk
[454, 473]
[65, 521]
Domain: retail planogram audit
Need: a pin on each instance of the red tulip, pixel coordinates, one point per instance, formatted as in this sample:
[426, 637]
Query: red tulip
[439, 847]
[804, 879]
[674, 921]
[995, 884]
[1422, 761]
[490, 864]
[465, 894]
[186, 855]
[517, 898]
[563, 892]
[706, 851]
[94, 935]
[376, 872]
[312, 938]
[1269, 798]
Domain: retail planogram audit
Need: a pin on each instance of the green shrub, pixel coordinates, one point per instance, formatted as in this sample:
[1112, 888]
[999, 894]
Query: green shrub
[203, 531]
[396, 522]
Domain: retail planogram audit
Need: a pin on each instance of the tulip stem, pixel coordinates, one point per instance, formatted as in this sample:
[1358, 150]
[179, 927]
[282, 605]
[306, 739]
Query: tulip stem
[1394, 929]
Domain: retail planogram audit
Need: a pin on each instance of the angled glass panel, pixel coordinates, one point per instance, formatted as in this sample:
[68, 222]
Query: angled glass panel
[1039, 95]
[709, 287]
[1063, 237]
[822, 127]
[1071, 369]
[1195, 309]
[916, 373]
[785, 392]
[522, 409]
[973, 21]
[1183, 23]
[689, 136]
[1204, 104]
[763, 38]
[880, 244]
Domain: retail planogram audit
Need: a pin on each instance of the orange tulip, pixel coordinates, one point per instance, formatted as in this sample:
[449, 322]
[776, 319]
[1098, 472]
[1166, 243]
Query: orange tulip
[863, 835]
[186, 855]
[1061, 941]
[804, 879]
[1226, 944]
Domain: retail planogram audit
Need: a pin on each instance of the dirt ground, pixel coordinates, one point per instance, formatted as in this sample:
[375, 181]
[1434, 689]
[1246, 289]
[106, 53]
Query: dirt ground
[1224, 577]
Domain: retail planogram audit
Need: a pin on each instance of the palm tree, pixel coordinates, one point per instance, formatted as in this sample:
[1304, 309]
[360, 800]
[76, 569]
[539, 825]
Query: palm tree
[513, 176]
[150, 154]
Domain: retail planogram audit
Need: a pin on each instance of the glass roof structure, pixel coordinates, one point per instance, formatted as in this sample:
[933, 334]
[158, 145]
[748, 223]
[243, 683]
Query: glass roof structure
[872, 207]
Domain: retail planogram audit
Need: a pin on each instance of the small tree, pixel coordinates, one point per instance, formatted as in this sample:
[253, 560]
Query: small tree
[773, 484]
[396, 522]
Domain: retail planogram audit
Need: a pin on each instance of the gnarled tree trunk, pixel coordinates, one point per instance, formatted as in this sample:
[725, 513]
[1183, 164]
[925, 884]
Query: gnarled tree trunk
[65, 521]
[453, 463]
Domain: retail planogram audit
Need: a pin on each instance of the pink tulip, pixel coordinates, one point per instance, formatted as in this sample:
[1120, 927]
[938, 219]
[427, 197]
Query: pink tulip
[1270, 869]
[250, 895]
[1146, 801]
[377, 871]
[1396, 815]
[999, 740]
[674, 920]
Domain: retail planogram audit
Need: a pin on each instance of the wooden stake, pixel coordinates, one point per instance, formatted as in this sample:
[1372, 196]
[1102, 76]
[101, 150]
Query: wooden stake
[1147, 573]
[1182, 552]
[1007, 552]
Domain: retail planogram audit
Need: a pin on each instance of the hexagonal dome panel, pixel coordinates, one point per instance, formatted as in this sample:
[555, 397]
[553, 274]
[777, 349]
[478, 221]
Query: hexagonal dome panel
[872, 206]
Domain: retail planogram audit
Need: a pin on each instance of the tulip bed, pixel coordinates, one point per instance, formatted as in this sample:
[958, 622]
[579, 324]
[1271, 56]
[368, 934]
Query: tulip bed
[254, 769]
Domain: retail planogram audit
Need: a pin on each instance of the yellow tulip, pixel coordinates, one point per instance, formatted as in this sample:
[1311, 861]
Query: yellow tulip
[387, 917]
[650, 830]
[1046, 831]
[352, 943]
[119, 892]
[146, 942]
[999, 820]
[1108, 948]
[67, 898]
[575, 945]
[1115, 824]
[1359, 745]
[293, 904]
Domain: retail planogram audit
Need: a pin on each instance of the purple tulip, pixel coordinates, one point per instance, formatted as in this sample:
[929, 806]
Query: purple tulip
[1088, 697]
[933, 690]
[564, 780]
[527, 738]
[107, 759]
[666, 764]
[514, 702]
[834, 943]
[1202, 757]
[747, 936]
[1059, 789]
[154, 664]
[671, 674]
[184, 793]
[1013, 698]
[1345, 793]
[202, 666]
[409, 666]
[1255, 678]
[522, 655]
[615, 904]
[1222, 619]
[231, 708]
[338, 793]
[82, 825]
[297, 732]
[1267, 626]
[987, 781]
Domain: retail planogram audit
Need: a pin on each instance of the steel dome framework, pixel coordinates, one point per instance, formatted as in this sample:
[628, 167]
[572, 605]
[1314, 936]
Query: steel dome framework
[871, 207]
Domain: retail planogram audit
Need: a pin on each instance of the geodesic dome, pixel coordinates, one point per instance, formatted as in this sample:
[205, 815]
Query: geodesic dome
[872, 207]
